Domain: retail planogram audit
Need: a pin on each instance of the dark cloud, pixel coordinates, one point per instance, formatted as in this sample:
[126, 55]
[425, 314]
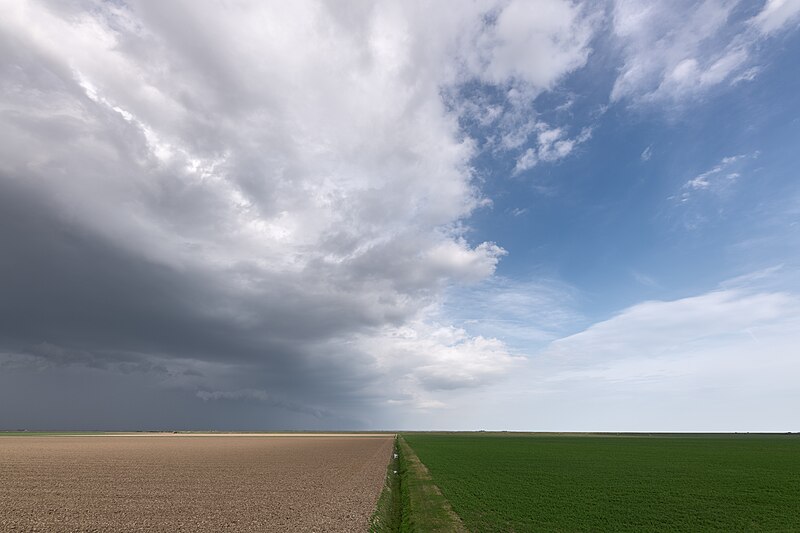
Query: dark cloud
[245, 214]
[70, 299]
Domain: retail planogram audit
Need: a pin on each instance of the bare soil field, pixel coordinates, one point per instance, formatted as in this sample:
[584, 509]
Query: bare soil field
[191, 483]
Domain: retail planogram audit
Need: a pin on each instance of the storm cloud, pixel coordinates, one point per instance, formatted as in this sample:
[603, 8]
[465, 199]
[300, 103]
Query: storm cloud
[247, 214]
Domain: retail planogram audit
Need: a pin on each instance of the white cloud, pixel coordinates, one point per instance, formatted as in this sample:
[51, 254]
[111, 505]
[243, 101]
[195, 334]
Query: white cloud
[647, 153]
[717, 178]
[535, 43]
[725, 360]
[298, 158]
[551, 145]
[776, 14]
[759, 278]
[524, 49]
[424, 358]
[657, 328]
[678, 50]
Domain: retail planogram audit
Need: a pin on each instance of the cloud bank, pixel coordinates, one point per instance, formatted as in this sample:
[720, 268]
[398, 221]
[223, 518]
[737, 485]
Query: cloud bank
[221, 198]
[722, 360]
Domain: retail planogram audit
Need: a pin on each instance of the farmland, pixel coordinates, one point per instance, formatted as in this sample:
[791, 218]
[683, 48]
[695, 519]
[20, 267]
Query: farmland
[508, 482]
[191, 482]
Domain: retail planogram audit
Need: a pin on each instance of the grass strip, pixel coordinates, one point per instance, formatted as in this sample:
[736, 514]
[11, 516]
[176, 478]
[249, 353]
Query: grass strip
[424, 507]
[410, 501]
[388, 513]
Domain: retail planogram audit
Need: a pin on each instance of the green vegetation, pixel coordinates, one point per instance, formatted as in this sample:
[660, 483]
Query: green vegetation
[410, 502]
[508, 482]
[388, 514]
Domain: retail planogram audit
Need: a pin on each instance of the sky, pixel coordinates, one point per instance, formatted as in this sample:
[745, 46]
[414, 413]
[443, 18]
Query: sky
[517, 215]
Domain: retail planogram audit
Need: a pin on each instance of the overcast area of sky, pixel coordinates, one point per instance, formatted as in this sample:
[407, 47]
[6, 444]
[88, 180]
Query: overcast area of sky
[524, 215]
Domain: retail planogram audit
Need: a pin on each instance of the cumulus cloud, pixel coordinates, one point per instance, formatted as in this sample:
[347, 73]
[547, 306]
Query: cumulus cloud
[534, 42]
[257, 198]
[551, 145]
[523, 50]
[425, 358]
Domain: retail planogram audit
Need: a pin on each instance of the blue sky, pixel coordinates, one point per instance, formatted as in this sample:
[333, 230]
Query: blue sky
[546, 215]
[611, 219]
[669, 200]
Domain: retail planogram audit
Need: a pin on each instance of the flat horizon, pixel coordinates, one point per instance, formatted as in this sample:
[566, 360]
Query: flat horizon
[506, 214]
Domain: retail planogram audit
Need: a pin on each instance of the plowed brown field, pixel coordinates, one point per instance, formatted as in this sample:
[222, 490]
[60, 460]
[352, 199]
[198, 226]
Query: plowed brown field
[191, 483]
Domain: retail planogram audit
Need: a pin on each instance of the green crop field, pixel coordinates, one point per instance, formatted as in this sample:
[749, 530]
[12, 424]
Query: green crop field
[605, 483]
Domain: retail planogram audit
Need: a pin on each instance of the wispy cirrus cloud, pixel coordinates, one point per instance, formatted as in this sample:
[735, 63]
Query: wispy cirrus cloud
[719, 176]
[776, 15]
[676, 51]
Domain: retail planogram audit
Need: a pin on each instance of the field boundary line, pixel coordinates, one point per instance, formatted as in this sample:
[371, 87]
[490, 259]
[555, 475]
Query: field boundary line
[388, 514]
[427, 508]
